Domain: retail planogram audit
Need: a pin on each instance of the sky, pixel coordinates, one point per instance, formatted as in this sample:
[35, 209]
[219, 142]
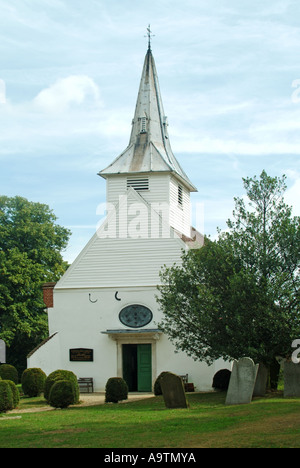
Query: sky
[229, 76]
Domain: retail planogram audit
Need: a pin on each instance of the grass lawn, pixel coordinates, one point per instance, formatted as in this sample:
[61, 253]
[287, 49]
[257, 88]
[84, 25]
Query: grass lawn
[267, 422]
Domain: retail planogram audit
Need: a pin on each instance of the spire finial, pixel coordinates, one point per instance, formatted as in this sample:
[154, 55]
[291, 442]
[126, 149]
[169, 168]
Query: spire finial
[149, 35]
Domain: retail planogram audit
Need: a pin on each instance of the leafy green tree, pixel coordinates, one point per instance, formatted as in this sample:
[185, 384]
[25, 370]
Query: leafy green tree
[30, 254]
[239, 295]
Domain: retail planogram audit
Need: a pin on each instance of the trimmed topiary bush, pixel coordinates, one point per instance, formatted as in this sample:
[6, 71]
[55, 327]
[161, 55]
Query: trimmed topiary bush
[221, 379]
[6, 396]
[116, 389]
[9, 372]
[61, 374]
[33, 381]
[15, 393]
[62, 394]
[157, 388]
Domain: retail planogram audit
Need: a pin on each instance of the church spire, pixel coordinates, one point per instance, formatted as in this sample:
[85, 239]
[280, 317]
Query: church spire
[149, 148]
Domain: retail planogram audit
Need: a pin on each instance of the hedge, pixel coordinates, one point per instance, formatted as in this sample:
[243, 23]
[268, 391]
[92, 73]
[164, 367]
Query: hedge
[15, 392]
[221, 379]
[33, 381]
[116, 389]
[9, 372]
[61, 374]
[62, 394]
[6, 396]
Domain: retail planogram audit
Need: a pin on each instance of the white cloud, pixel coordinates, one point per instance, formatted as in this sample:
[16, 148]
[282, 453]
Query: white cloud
[76, 90]
[213, 144]
[58, 117]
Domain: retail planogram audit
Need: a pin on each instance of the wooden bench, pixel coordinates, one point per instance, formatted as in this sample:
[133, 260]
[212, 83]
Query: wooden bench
[185, 378]
[188, 387]
[86, 384]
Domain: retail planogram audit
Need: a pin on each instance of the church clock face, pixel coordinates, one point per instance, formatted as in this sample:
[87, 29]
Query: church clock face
[135, 316]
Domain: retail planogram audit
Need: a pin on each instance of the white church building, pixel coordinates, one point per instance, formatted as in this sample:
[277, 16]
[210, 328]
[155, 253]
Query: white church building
[103, 314]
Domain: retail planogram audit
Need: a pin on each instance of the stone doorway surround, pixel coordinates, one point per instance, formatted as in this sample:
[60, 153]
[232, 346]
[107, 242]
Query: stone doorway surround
[141, 336]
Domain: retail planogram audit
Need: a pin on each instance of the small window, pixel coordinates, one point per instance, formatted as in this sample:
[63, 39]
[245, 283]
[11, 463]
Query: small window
[180, 197]
[140, 184]
[143, 125]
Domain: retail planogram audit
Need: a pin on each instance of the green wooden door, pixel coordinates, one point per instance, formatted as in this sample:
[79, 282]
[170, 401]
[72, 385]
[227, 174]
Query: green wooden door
[144, 366]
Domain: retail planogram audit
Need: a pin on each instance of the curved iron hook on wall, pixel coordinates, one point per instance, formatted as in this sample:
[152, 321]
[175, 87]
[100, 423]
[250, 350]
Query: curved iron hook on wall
[91, 299]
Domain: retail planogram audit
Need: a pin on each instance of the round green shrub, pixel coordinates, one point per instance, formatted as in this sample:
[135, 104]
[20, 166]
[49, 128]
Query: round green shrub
[33, 381]
[15, 393]
[9, 372]
[62, 394]
[61, 374]
[221, 379]
[6, 396]
[157, 387]
[116, 389]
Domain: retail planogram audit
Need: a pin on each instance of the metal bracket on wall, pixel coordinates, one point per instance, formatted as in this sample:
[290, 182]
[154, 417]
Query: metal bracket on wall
[91, 299]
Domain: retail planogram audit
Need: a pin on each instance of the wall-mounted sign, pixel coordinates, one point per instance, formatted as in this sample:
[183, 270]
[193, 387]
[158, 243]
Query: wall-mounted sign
[82, 355]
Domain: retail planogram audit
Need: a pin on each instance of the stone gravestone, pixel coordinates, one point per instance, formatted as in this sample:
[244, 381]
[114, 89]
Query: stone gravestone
[2, 352]
[242, 382]
[173, 391]
[261, 381]
[291, 375]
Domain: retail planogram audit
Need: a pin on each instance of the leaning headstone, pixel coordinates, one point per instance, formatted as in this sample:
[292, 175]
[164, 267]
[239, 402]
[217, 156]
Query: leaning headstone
[291, 376]
[2, 352]
[173, 391]
[260, 387]
[242, 381]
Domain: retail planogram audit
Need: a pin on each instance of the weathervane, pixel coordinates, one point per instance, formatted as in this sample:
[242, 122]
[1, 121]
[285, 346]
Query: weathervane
[149, 35]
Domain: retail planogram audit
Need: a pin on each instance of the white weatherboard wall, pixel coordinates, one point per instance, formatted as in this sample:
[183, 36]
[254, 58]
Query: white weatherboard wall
[115, 257]
[180, 215]
[162, 192]
[158, 187]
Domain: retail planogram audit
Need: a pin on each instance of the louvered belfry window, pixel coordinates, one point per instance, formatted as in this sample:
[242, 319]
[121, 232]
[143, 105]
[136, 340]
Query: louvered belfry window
[143, 125]
[180, 195]
[139, 184]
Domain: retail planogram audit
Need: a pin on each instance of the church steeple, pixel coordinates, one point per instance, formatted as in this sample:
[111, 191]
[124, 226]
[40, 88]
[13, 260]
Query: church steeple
[149, 148]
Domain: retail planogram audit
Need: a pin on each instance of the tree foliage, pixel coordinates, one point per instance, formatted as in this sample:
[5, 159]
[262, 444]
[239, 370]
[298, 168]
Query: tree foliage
[30, 254]
[239, 295]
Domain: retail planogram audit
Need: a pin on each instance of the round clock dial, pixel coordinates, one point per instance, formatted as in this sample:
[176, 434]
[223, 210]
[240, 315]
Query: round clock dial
[135, 316]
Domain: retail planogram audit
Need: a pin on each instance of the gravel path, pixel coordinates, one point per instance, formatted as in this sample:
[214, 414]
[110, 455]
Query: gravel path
[86, 399]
